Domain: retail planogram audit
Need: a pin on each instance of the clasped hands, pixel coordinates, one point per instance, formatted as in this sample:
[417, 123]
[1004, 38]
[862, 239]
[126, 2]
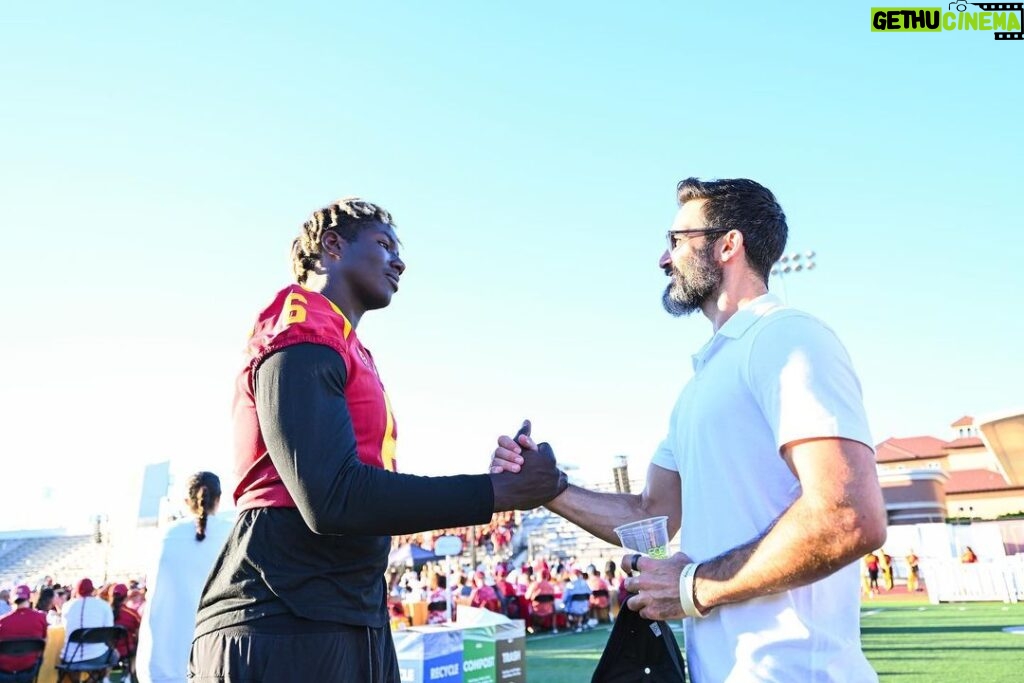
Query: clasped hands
[655, 586]
[533, 481]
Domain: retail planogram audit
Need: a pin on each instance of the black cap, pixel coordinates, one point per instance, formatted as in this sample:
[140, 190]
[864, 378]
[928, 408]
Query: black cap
[639, 649]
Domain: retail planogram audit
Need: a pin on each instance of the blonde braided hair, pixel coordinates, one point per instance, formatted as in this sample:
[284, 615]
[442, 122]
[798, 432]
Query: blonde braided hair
[346, 217]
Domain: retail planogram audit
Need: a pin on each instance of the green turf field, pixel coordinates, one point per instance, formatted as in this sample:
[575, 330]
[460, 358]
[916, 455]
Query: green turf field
[906, 642]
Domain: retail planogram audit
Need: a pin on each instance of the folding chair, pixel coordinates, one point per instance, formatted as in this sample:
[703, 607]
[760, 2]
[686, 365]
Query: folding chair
[546, 621]
[95, 668]
[599, 603]
[22, 646]
[577, 610]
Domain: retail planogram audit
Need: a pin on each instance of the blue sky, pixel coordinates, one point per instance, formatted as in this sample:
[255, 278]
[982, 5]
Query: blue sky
[158, 162]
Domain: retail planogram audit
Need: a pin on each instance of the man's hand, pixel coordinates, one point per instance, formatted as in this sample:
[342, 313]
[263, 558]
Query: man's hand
[656, 586]
[535, 480]
[508, 456]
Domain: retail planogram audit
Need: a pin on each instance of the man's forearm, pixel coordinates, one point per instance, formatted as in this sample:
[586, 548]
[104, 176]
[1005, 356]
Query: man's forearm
[806, 543]
[839, 516]
[598, 513]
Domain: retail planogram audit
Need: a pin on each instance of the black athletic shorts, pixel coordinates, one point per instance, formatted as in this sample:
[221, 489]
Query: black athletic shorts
[238, 655]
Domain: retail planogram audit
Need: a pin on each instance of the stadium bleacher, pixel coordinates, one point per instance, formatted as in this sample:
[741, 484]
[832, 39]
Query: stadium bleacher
[67, 558]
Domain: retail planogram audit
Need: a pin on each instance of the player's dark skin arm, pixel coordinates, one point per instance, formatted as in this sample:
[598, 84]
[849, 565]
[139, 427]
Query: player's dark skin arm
[307, 428]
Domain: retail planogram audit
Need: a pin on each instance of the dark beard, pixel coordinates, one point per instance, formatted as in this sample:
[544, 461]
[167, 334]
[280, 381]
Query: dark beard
[687, 293]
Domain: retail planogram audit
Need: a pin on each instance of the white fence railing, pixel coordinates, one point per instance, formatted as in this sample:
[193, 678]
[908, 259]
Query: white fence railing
[950, 581]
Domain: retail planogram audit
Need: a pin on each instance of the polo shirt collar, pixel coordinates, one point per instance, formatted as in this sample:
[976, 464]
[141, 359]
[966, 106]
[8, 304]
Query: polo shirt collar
[736, 326]
[742, 320]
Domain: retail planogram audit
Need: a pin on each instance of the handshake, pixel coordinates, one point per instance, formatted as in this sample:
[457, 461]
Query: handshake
[524, 474]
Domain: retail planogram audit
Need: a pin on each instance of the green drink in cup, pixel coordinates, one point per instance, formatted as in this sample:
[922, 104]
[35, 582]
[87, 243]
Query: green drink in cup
[648, 536]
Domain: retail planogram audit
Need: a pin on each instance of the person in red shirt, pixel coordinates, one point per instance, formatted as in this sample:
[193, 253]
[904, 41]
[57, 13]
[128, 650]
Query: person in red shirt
[600, 591]
[542, 609]
[483, 595]
[298, 591]
[22, 622]
[125, 616]
[871, 562]
[502, 586]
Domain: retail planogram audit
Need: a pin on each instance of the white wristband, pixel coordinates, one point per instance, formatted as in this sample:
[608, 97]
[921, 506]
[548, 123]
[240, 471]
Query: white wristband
[686, 590]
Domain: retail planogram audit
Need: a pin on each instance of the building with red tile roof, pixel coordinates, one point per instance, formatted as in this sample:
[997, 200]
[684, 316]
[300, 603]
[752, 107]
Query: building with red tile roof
[978, 473]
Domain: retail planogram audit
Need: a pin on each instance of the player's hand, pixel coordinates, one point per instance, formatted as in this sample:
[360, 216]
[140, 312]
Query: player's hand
[655, 587]
[508, 456]
[538, 480]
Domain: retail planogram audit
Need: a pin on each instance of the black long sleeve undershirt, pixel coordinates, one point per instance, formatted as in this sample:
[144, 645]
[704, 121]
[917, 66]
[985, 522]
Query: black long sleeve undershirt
[287, 570]
[307, 428]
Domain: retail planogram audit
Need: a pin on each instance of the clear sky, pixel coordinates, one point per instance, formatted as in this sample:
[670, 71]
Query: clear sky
[158, 161]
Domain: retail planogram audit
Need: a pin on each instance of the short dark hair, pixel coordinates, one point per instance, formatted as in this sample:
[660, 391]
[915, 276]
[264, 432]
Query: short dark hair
[744, 205]
[347, 217]
[45, 599]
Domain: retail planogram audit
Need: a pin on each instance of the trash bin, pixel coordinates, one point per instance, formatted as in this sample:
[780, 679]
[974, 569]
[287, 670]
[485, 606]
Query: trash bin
[427, 654]
[493, 647]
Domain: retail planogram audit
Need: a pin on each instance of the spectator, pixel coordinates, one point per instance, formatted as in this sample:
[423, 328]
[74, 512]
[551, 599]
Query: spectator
[542, 609]
[5, 601]
[506, 592]
[885, 564]
[175, 581]
[483, 595]
[463, 594]
[61, 596]
[437, 607]
[617, 586]
[913, 572]
[125, 617]
[576, 597]
[871, 562]
[399, 619]
[524, 580]
[86, 611]
[47, 604]
[21, 622]
[136, 597]
[599, 595]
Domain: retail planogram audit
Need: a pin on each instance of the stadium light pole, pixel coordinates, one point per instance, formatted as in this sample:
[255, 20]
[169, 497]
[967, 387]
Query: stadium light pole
[793, 262]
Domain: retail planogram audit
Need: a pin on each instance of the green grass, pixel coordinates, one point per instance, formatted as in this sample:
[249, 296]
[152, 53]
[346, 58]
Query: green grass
[566, 656]
[915, 643]
[910, 642]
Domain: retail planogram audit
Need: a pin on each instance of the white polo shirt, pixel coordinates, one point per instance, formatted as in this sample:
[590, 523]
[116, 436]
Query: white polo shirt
[770, 376]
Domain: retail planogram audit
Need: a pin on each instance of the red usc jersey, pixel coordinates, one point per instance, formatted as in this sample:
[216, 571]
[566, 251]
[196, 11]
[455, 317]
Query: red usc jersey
[299, 316]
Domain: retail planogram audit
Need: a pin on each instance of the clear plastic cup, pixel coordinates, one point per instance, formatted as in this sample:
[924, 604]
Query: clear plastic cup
[648, 536]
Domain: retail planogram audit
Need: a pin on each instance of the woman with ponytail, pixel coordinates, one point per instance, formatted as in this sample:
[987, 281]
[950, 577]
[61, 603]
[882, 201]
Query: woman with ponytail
[175, 581]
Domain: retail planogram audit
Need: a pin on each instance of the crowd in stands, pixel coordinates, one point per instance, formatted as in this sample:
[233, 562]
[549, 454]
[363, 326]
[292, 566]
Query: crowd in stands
[495, 537]
[548, 596]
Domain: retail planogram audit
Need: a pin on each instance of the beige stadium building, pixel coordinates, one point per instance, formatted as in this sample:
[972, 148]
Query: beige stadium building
[975, 474]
